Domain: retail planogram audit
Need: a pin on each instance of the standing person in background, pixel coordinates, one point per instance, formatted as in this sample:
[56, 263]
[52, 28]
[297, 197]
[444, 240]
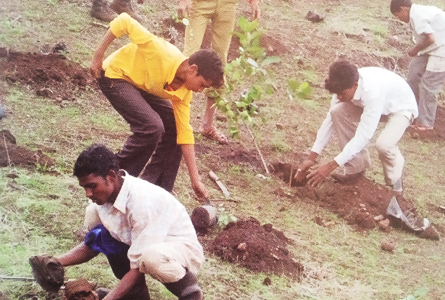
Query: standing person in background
[364, 96]
[222, 14]
[150, 82]
[107, 12]
[426, 74]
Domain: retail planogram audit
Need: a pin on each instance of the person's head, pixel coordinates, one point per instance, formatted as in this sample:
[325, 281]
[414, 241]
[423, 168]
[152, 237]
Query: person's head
[207, 71]
[401, 9]
[342, 80]
[97, 170]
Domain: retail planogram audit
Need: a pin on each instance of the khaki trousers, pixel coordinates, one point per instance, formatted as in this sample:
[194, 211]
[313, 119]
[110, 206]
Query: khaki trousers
[222, 15]
[345, 117]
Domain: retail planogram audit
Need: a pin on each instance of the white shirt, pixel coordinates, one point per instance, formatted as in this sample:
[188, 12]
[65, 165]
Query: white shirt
[145, 214]
[426, 19]
[379, 92]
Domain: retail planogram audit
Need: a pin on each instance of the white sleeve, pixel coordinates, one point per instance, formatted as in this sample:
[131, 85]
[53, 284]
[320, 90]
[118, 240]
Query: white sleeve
[324, 133]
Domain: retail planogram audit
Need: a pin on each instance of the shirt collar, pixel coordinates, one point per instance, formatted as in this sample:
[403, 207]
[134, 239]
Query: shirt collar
[122, 198]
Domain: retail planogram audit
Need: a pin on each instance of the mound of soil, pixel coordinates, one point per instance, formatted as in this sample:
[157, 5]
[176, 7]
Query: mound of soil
[13, 155]
[258, 248]
[51, 75]
[358, 203]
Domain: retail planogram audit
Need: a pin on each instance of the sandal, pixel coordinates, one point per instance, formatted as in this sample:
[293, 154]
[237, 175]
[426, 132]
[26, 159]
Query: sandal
[422, 128]
[215, 135]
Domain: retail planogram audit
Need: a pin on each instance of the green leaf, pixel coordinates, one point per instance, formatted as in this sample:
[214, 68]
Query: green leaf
[252, 62]
[294, 85]
[271, 60]
[243, 24]
[252, 25]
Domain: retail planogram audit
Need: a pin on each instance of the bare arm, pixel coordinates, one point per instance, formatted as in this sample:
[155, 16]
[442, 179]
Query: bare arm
[126, 284]
[255, 8]
[98, 56]
[188, 151]
[77, 255]
[426, 41]
[184, 8]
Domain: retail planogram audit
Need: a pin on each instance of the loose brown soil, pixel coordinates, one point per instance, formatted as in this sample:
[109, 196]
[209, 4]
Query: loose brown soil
[358, 203]
[51, 76]
[14, 155]
[258, 248]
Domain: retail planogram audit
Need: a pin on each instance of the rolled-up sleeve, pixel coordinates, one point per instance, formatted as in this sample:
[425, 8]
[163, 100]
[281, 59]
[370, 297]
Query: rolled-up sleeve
[126, 25]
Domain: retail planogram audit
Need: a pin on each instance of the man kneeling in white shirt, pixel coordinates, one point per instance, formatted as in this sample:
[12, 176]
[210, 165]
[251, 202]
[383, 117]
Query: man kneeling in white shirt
[140, 227]
[363, 96]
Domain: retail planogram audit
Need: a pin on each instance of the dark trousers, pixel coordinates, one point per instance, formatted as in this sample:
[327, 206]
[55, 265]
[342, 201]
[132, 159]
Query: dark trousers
[100, 240]
[153, 125]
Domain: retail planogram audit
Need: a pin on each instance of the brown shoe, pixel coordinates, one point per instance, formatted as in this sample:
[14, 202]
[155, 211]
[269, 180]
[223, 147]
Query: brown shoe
[121, 6]
[102, 11]
[348, 178]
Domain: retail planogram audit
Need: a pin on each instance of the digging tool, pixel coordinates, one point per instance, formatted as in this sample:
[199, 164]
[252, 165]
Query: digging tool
[215, 178]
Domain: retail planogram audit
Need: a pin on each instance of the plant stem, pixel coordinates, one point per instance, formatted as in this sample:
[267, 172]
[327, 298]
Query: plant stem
[257, 148]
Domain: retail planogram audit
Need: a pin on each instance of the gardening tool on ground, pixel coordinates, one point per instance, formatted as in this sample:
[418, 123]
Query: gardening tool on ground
[215, 178]
[204, 217]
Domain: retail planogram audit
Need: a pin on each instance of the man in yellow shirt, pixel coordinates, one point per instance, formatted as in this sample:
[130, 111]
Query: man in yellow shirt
[150, 82]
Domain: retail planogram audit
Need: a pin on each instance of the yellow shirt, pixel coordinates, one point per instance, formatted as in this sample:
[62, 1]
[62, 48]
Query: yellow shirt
[149, 63]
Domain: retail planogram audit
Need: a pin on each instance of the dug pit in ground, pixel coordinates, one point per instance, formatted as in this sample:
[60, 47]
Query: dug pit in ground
[258, 248]
[358, 203]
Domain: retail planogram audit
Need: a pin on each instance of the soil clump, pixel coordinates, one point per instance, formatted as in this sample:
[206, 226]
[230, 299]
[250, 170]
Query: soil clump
[255, 247]
[13, 155]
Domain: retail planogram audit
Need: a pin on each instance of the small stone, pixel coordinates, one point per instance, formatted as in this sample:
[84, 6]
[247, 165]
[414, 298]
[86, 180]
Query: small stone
[384, 225]
[267, 281]
[379, 218]
[388, 246]
[242, 247]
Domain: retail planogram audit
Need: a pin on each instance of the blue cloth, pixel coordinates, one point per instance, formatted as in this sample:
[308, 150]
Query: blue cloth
[2, 112]
[100, 240]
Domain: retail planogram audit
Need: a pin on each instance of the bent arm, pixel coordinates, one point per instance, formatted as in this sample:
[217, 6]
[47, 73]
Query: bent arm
[426, 41]
[78, 255]
[188, 151]
[255, 8]
[126, 284]
[98, 56]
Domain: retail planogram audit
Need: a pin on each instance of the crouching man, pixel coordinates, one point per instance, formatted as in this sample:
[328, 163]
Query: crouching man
[140, 227]
[362, 98]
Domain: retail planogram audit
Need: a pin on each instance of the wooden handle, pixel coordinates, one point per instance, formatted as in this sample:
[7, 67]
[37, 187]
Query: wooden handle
[213, 176]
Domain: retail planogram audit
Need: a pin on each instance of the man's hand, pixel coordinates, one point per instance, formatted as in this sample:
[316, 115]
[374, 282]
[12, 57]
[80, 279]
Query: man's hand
[425, 41]
[200, 191]
[302, 171]
[98, 56]
[255, 8]
[318, 173]
[184, 8]
[96, 67]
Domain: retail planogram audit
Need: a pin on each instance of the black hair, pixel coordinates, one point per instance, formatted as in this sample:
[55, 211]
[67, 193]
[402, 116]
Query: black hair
[342, 75]
[96, 159]
[210, 66]
[396, 5]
